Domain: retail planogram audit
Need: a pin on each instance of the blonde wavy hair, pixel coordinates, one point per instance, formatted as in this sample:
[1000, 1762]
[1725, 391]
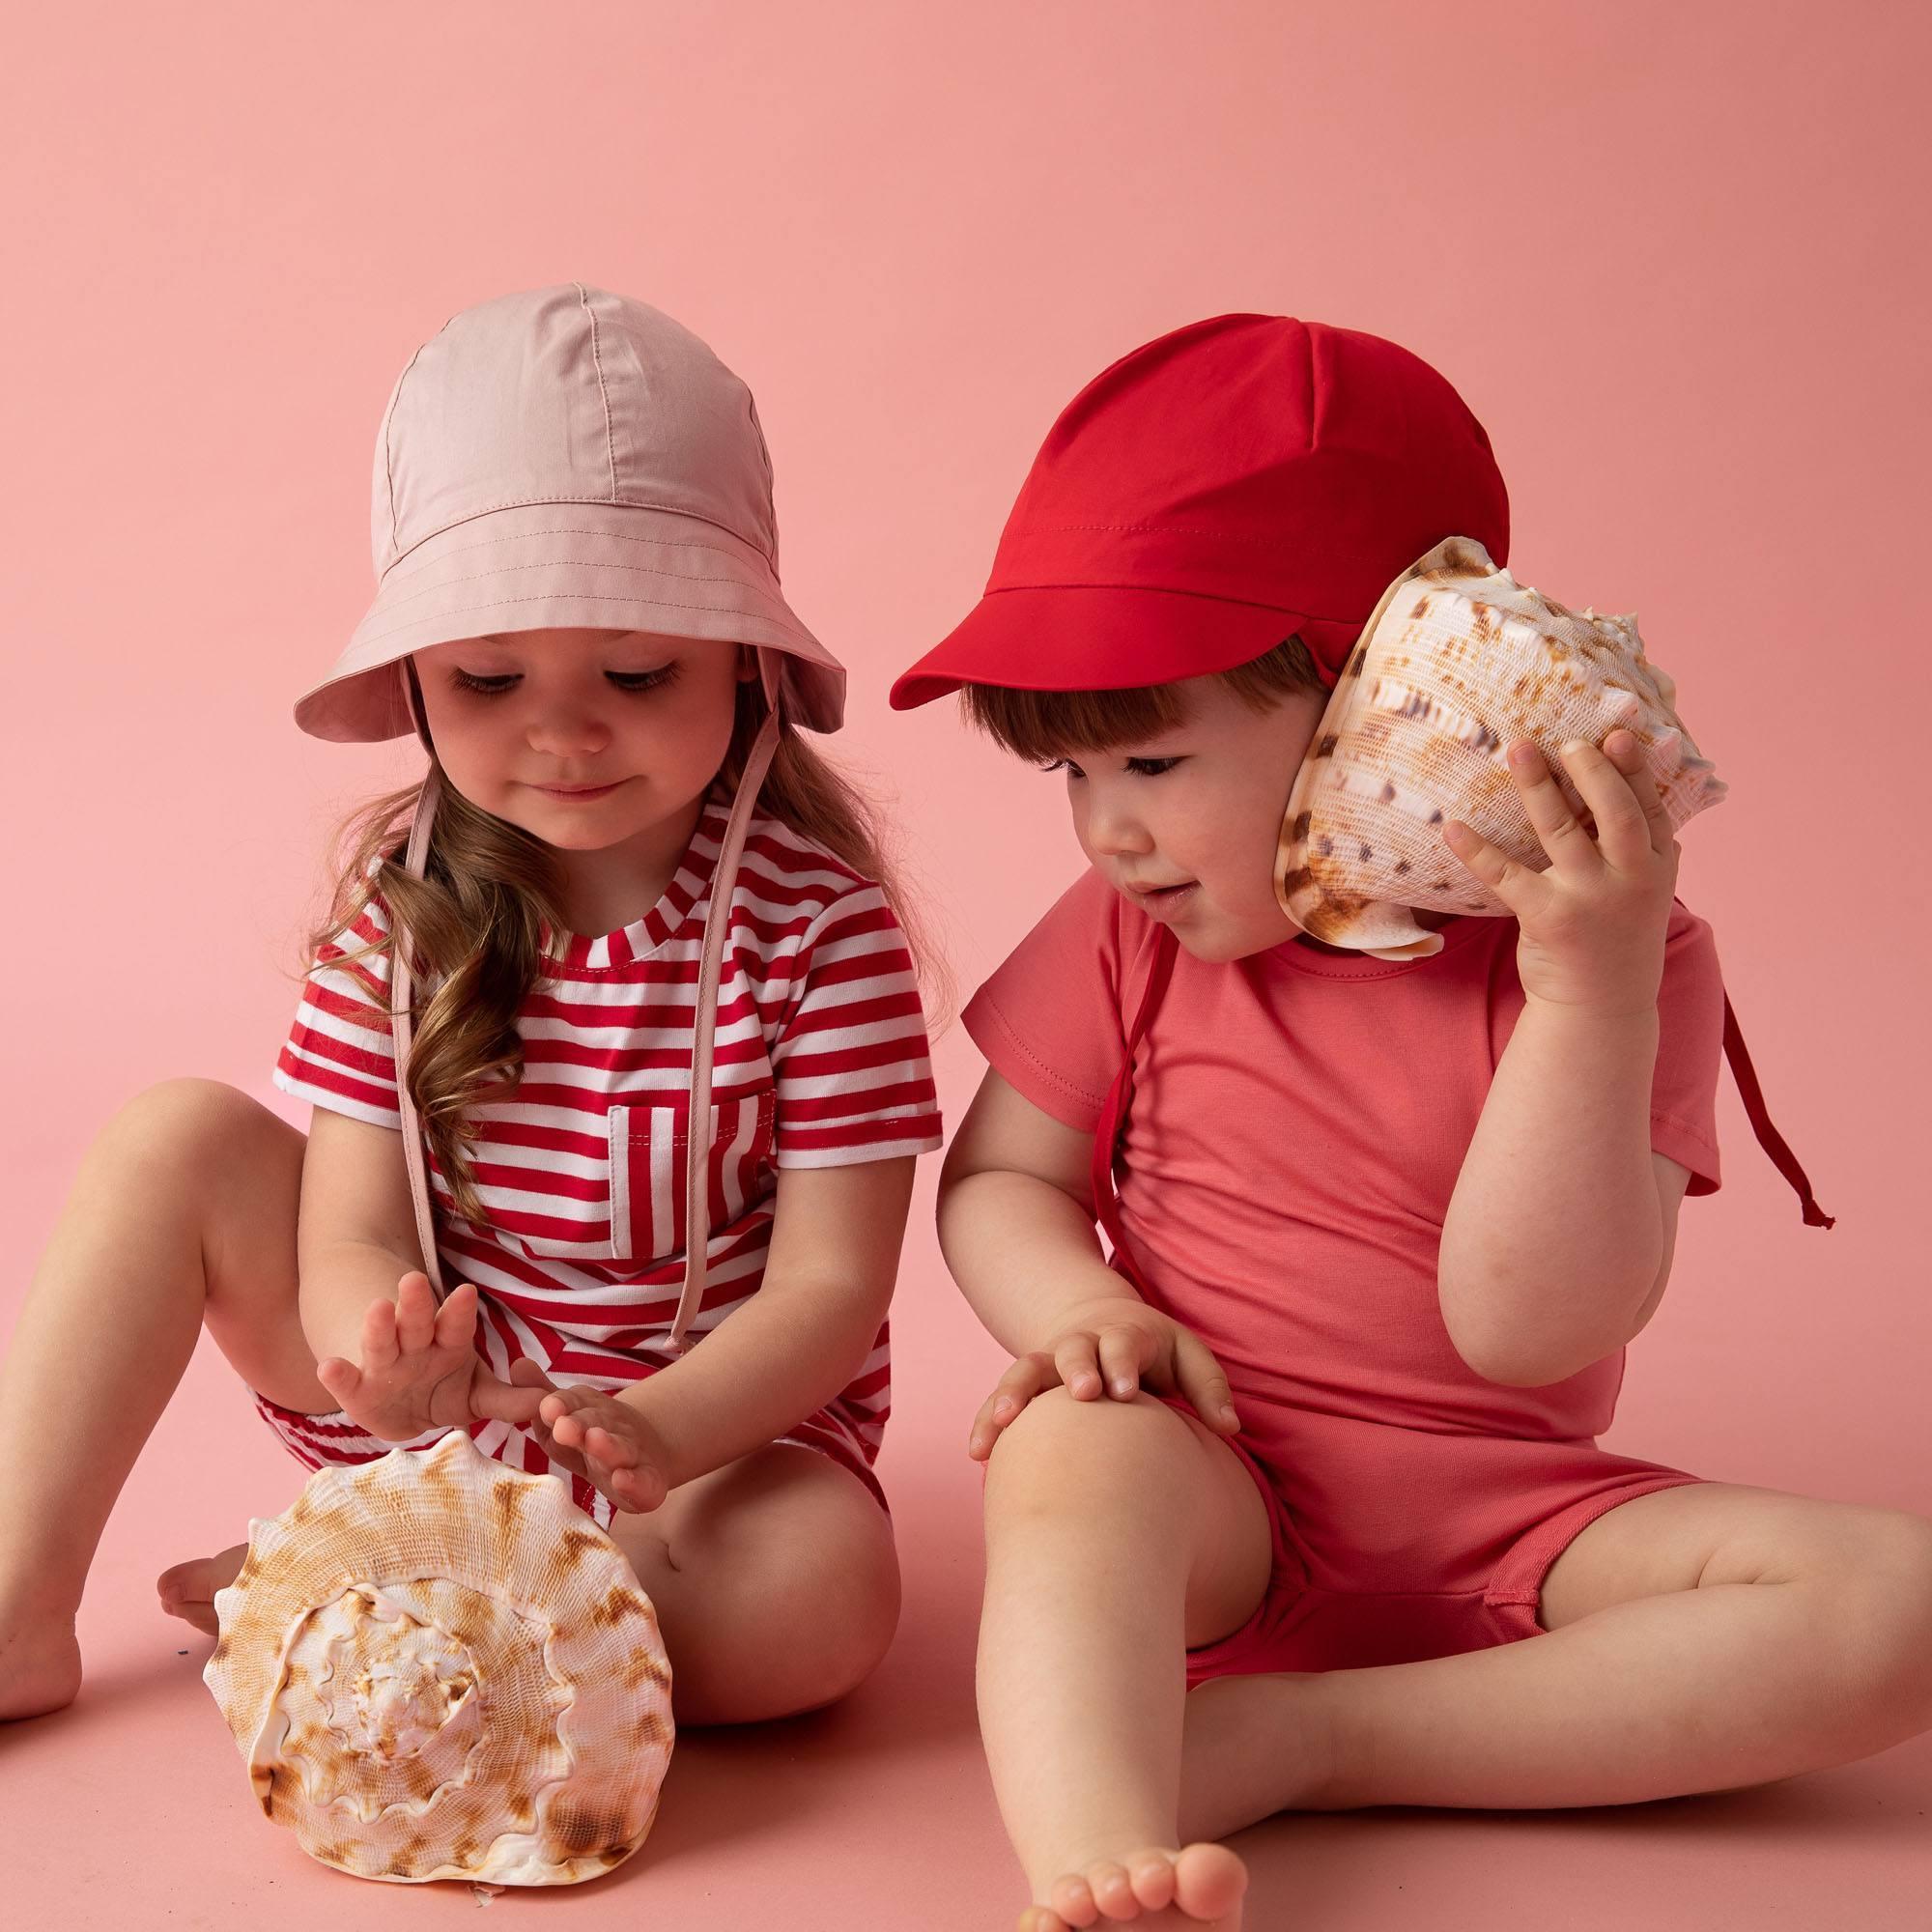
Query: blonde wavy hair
[488, 888]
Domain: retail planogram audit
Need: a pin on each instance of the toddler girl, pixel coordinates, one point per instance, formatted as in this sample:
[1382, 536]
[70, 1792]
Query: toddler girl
[619, 968]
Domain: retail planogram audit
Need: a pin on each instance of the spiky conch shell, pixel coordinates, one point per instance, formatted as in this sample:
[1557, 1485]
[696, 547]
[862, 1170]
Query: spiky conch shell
[1455, 662]
[438, 1667]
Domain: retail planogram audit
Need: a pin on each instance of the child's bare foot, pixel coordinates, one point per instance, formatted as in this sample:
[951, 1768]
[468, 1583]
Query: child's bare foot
[1157, 1890]
[187, 1590]
[39, 1663]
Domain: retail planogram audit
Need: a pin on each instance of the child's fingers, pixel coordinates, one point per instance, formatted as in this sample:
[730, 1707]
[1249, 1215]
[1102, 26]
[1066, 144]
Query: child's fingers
[1202, 1383]
[1023, 1380]
[1626, 754]
[1078, 1363]
[1549, 812]
[1520, 887]
[1123, 1350]
[1623, 828]
[615, 1452]
[338, 1376]
[455, 1322]
[378, 1335]
[639, 1491]
[415, 1313]
[568, 1401]
[527, 1374]
[497, 1400]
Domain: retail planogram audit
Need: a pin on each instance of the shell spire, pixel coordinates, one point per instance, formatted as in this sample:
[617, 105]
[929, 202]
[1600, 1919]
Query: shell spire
[438, 1667]
[1457, 661]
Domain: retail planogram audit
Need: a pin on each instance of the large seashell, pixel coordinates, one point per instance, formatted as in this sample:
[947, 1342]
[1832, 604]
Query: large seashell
[438, 1667]
[1457, 661]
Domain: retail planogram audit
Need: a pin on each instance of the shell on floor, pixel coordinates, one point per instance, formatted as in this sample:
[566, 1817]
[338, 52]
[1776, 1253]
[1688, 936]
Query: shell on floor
[1458, 661]
[438, 1667]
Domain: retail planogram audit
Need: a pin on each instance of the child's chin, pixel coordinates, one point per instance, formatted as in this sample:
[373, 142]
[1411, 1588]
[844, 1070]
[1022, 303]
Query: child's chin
[1219, 942]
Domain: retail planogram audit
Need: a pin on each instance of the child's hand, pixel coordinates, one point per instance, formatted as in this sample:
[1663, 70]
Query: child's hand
[597, 1437]
[1116, 1345]
[1593, 923]
[420, 1369]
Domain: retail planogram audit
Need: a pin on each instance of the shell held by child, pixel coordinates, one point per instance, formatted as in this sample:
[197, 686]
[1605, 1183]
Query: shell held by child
[1458, 661]
[438, 1667]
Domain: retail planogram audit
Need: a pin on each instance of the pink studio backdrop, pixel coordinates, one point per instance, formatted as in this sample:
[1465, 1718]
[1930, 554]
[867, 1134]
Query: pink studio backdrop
[1662, 251]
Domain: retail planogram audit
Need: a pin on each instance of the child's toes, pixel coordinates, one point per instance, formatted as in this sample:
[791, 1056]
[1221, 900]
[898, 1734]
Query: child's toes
[1153, 1877]
[1072, 1897]
[1210, 1880]
[1037, 1919]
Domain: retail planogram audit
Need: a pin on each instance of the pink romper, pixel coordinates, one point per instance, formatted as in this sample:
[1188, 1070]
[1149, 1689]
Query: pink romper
[1297, 1124]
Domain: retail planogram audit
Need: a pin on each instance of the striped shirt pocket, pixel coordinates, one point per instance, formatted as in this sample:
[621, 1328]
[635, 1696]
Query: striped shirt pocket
[648, 1144]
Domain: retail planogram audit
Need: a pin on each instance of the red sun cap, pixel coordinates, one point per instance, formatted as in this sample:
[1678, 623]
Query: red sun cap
[1227, 485]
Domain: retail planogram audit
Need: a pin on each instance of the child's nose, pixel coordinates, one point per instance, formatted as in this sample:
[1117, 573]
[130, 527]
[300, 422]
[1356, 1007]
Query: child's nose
[1115, 830]
[568, 733]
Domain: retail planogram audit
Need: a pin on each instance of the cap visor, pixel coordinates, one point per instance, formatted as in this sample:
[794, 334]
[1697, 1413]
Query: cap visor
[1103, 638]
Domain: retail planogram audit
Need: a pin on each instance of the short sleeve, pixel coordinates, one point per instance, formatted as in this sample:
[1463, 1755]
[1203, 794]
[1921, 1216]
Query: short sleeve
[339, 1053]
[1050, 1019]
[1689, 1048]
[849, 1059]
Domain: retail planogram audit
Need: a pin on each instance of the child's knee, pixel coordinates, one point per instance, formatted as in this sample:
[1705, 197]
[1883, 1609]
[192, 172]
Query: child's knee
[1061, 1453]
[180, 1122]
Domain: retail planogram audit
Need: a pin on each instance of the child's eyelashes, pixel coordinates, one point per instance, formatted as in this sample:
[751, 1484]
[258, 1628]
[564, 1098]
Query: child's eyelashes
[623, 680]
[1143, 768]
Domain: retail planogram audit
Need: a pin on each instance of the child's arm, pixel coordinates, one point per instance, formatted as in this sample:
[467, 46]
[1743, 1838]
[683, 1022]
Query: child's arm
[1016, 1224]
[396, 1362]
[1016, 1220]
[1557, 1244]
[356, 1231]
[1558, 1237]
[791, 1347]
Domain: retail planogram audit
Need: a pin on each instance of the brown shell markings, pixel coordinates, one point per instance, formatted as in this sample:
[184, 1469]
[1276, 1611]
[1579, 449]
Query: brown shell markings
[1440, 684]
[438, 1667]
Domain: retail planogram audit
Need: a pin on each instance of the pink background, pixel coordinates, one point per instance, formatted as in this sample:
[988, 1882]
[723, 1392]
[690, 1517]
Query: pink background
[1666, 254]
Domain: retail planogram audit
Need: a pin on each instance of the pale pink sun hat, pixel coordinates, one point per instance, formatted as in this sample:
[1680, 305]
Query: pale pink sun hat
[567, 458]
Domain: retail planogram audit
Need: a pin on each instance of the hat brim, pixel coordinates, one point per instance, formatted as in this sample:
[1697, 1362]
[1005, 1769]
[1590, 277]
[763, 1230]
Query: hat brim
[540, 566]
[1111, 637]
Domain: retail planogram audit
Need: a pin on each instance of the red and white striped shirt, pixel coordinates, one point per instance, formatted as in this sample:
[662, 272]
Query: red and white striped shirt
[820, 1061]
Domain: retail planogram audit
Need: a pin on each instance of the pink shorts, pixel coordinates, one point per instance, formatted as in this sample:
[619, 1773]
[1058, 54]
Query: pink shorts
[315, 1440]
[1447, 1554]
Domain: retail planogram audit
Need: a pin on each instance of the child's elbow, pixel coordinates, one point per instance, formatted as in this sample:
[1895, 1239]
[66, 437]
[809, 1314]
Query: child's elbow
[1511, 1364]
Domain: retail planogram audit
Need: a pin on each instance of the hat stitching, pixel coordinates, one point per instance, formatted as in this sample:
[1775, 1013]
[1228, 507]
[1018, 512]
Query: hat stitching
[392, 603]
[556, 530]
[388, 460]
[1168, 590]
[603, 394]
[555, 496]
[566, 597]
[1168, 530]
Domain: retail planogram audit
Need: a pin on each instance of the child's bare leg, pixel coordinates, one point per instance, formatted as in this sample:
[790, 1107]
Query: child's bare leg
[1117, 1533]
[184, 1209]
[776, 1584]
[1698, 1640]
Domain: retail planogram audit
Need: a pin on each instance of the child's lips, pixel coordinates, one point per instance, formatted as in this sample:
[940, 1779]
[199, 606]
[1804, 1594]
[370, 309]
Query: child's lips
[1159, 899]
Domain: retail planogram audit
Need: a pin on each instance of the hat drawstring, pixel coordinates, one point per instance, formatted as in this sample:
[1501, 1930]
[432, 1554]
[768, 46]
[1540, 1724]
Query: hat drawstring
[402, 1022]
[697, 1150]
[1120, 1098]
[716, 919]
